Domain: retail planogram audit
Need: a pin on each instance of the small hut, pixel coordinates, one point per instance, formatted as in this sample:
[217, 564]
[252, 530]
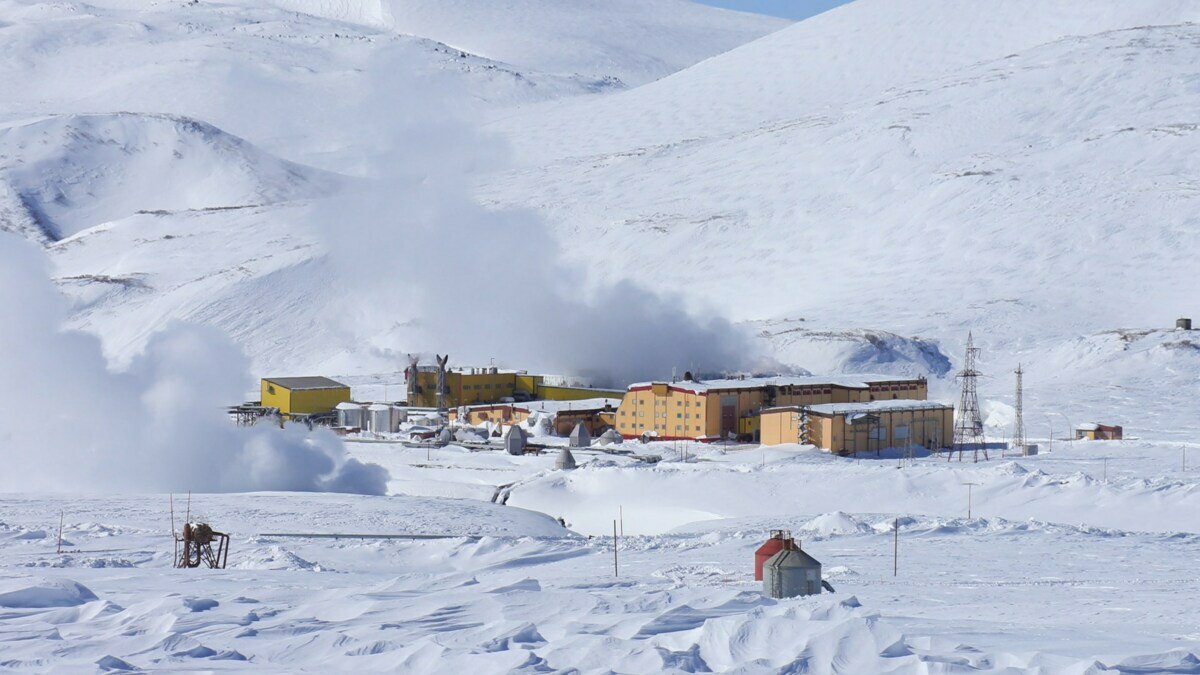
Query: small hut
[791, 572]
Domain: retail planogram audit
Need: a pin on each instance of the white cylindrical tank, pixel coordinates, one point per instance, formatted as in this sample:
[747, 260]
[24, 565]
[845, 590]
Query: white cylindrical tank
[350, 415]
[791, 572]
[379, 418]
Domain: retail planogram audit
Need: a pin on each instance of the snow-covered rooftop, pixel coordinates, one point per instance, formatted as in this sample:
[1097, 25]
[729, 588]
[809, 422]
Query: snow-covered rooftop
[581, 404]
[867, 407]
[853, 381]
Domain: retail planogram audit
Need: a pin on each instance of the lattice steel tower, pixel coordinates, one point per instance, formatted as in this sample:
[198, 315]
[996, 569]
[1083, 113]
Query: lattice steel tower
[1018, 433]
[968, 425]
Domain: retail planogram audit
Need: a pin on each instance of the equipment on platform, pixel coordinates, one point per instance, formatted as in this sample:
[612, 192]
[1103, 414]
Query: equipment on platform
[195, 547]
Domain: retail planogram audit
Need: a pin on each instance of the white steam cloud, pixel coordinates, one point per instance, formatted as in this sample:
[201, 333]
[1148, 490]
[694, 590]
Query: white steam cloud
[70, 424]
[433, 270]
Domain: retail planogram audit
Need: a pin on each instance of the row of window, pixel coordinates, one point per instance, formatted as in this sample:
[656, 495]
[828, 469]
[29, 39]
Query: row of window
[486, 386]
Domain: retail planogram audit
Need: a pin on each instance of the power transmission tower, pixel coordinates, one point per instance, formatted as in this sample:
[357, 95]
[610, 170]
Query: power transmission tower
[1018, 434]
[968, 425]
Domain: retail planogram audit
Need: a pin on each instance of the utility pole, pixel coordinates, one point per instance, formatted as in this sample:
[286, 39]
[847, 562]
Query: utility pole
[969, 486]
[968, 425]
[615, 574]
[896, 548]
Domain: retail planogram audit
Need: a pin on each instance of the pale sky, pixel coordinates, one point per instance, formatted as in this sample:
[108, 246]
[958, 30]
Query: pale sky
[792, 9]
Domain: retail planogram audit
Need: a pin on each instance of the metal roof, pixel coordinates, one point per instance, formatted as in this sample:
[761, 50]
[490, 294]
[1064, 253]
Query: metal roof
[301, 383]
[893, 405]
[861, 381]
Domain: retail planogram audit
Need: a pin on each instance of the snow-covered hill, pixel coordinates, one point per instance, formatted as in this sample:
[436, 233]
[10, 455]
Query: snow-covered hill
[628, 40]
[72, 172]
[1047, 187]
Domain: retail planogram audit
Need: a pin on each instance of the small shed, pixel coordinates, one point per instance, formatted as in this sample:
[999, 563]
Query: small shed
[1092, 431]
[790, 573]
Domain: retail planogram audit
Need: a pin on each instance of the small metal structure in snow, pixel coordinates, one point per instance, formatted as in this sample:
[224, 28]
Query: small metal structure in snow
[580, 437]
[515, 440]
[195, 547]
[791, 573]
[565, 460]
[611, 437]
[444, 436]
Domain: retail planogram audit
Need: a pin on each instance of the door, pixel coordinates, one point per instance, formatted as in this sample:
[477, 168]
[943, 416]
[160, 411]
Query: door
[728, 416]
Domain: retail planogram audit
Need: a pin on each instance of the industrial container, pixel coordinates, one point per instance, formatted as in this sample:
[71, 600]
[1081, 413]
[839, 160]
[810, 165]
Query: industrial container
[379, 418]
[350, 415]
[565, 460]
[776, 543]
[1183, 324]
[580, 437]
[790, 573]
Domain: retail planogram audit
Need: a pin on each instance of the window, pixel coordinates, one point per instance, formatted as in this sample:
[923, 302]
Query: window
[678, 416]
[678, 427]
[686, 415]
[697, 404]
[697, 428]
[270, 389]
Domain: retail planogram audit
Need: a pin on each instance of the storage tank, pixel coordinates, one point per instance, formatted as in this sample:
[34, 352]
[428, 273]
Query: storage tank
[791, 573]
[776, 543]
[379, 418]
[350, 415]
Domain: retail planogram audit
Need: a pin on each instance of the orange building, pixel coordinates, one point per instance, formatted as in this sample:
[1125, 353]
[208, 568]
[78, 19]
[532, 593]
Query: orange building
[729, 408]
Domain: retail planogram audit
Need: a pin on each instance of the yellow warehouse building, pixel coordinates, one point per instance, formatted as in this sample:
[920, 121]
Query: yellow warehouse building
[302, 395]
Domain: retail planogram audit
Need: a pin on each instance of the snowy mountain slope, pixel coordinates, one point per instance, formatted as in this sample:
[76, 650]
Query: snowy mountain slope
[292, 82]
[76, 171]
[1051, 188]
[846, 55]
[630, 40]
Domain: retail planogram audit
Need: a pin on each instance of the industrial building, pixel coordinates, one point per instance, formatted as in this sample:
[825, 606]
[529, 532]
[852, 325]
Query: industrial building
[295, 397]
[1098, 432]
[729, 408]
[846, 428]
[596, 414]
[473, 386]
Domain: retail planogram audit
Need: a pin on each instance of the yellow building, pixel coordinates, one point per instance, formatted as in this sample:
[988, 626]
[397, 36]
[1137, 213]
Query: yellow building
[845, 428]
[302, 395]
[597, 414]
[474, 386]
[721, 409]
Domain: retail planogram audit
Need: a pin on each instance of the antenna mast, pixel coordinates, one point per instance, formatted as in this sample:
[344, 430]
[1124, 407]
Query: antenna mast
[1018, 434]
[968, 425]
